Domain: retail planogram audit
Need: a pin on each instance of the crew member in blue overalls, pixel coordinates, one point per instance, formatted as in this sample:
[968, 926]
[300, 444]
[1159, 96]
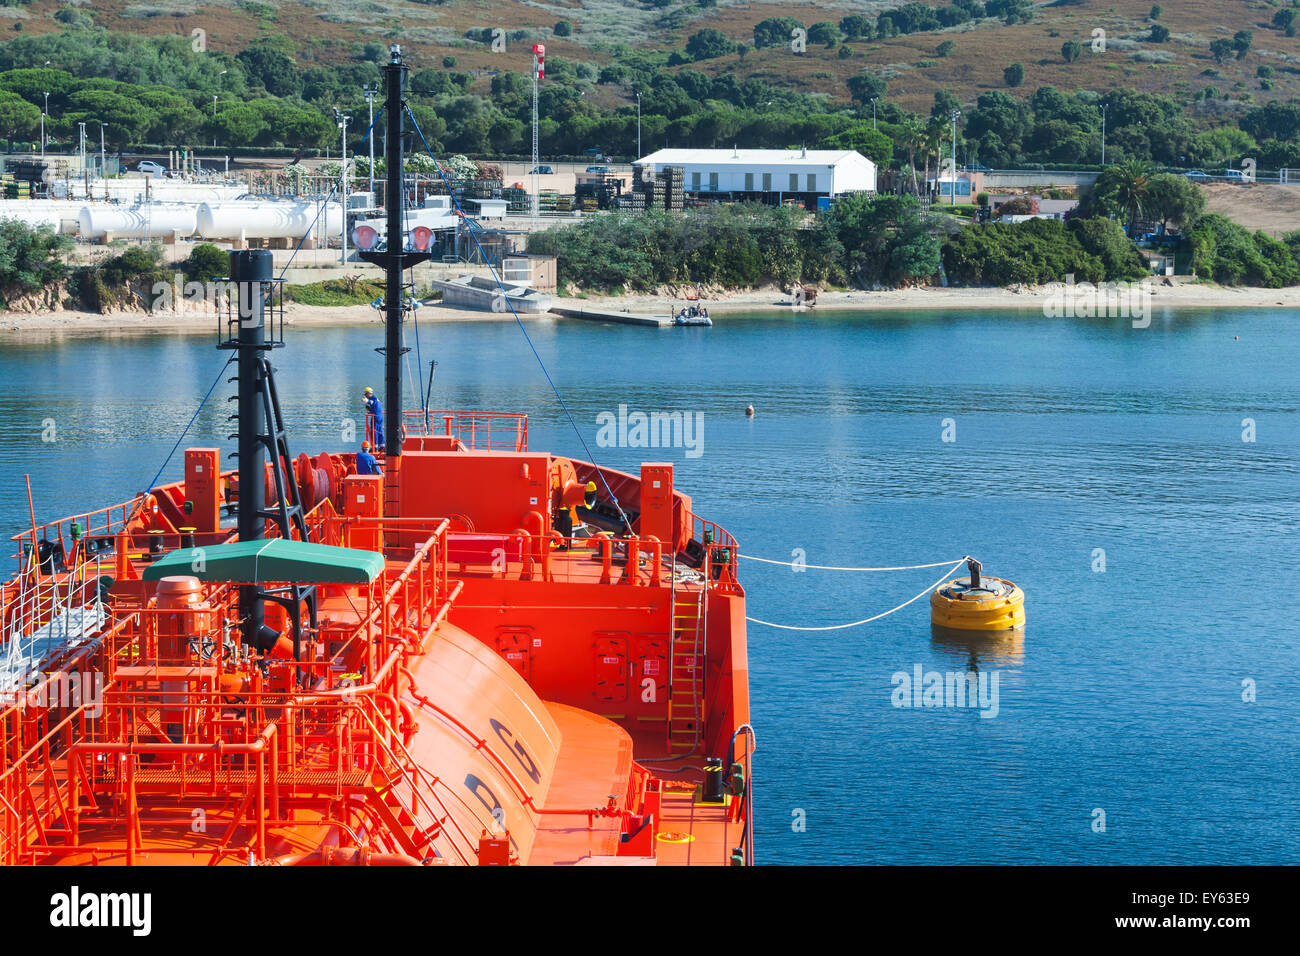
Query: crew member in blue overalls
[366, 464]
[374, 408]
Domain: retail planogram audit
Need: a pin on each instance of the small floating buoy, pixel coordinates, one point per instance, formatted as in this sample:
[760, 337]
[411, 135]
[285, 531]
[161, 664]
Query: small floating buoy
[978, 603]
[749, 411]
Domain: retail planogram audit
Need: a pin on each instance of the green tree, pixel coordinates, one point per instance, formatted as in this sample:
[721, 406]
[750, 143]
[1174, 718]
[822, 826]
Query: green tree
[18, 118]
[945, 48]
[855, 26]
[1159, 33]
[1155, 12]
[1221, 49]
[824, 32]
[1175, 200]
[1014, 75]
[1121, 189]
[205, 263]
[1241, 41]
[30, 259]
[865, 87]
[885, 238]
[563, 29]
[871, 143]
[775, 31]
[1071, 50]
[273, 69]
[1105, 239]
[708, 44]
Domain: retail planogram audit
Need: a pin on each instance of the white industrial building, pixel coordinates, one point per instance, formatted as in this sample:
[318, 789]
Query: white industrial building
[773, 174]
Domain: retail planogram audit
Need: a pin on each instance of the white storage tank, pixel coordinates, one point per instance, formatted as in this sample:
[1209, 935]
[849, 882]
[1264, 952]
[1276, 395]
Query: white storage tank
[268, 220]
[62, 217]
[156, 221]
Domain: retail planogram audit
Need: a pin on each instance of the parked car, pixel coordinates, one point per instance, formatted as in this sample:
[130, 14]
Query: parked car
[150, 168]
[1196, 174]
[597, 169]
[541, 171]
[1234, 174]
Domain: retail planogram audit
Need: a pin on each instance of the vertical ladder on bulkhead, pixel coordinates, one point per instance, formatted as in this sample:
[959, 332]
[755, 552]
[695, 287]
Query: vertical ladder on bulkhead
[392, 497]
[686, 687]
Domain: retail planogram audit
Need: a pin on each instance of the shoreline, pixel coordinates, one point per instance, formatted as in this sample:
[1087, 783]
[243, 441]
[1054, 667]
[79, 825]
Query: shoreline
[921, 299]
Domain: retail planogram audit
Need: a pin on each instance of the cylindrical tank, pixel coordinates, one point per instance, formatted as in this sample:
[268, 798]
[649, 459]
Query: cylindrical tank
[138, 222]
[267, 220]
[61, 216]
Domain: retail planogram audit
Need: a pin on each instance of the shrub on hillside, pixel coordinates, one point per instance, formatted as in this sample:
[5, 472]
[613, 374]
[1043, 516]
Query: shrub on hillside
[30, 259]
[1034, 252]
[1230, 254]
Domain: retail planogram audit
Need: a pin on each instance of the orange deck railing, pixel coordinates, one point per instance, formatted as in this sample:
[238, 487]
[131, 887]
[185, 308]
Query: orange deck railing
[488, 431]
[58, 754]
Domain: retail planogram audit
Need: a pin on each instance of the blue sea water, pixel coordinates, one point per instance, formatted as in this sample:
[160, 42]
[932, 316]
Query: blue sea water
[1076, 441]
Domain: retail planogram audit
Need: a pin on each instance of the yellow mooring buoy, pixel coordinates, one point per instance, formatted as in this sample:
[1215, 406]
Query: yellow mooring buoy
[978, 603]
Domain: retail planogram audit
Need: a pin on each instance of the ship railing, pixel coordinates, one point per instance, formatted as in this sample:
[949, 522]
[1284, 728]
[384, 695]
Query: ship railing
[102, 522]
[401, 608]
[405, 606]
[490, 431]
[720, 554]
[36, 731]
[264, 746]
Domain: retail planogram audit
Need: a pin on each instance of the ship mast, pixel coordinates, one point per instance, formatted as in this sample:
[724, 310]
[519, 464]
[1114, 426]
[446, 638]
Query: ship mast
[395, 256]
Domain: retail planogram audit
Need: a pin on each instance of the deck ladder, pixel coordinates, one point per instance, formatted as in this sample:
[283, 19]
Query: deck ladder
[686, 681]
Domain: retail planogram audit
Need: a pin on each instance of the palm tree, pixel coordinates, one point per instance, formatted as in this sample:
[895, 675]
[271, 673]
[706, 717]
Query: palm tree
[912, 135]
[934, 133]
[1131, 185]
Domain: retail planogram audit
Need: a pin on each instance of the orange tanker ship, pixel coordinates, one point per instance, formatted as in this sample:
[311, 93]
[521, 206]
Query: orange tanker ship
[486, 655]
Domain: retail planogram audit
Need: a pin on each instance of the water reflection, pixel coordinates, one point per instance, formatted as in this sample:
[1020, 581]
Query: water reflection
[976, 649]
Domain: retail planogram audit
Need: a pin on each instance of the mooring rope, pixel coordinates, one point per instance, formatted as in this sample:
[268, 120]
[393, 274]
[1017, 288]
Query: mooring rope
[868, 620]
[827, 567]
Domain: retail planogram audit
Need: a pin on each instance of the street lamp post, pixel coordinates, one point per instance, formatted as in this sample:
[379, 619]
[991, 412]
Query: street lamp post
[103, 165]
[214, 108]
[1103, 133]
[44, 113]
[343, 120]
[953, 114]
[638, 125]
[370, 136]
[85, 175]
[873, 112]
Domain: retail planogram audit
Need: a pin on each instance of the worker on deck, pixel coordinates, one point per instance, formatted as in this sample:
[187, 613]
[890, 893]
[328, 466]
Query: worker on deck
[366, 464]
[374, 408]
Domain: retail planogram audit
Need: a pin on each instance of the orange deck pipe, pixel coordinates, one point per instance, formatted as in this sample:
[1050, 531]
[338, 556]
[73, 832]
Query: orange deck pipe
[656, 556]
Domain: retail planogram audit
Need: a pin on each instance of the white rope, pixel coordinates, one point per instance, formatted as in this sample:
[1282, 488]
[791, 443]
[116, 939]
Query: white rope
[827, 567]
[840, 627]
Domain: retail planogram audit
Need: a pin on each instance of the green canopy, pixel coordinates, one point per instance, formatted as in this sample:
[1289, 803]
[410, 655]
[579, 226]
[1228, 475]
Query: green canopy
[274, 560]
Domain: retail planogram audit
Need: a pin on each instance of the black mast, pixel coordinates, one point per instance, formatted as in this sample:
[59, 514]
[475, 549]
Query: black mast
[248, 271]
[394, 257]
[252, 312]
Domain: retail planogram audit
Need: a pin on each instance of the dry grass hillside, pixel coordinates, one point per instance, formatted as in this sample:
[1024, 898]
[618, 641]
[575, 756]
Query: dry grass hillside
[1272, 208]
[334, 31]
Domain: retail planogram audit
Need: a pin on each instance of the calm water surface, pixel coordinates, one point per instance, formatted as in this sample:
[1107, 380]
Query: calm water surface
[1125, 694]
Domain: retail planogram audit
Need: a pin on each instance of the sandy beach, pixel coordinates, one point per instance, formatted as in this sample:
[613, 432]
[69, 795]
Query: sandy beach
[1180, 294]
